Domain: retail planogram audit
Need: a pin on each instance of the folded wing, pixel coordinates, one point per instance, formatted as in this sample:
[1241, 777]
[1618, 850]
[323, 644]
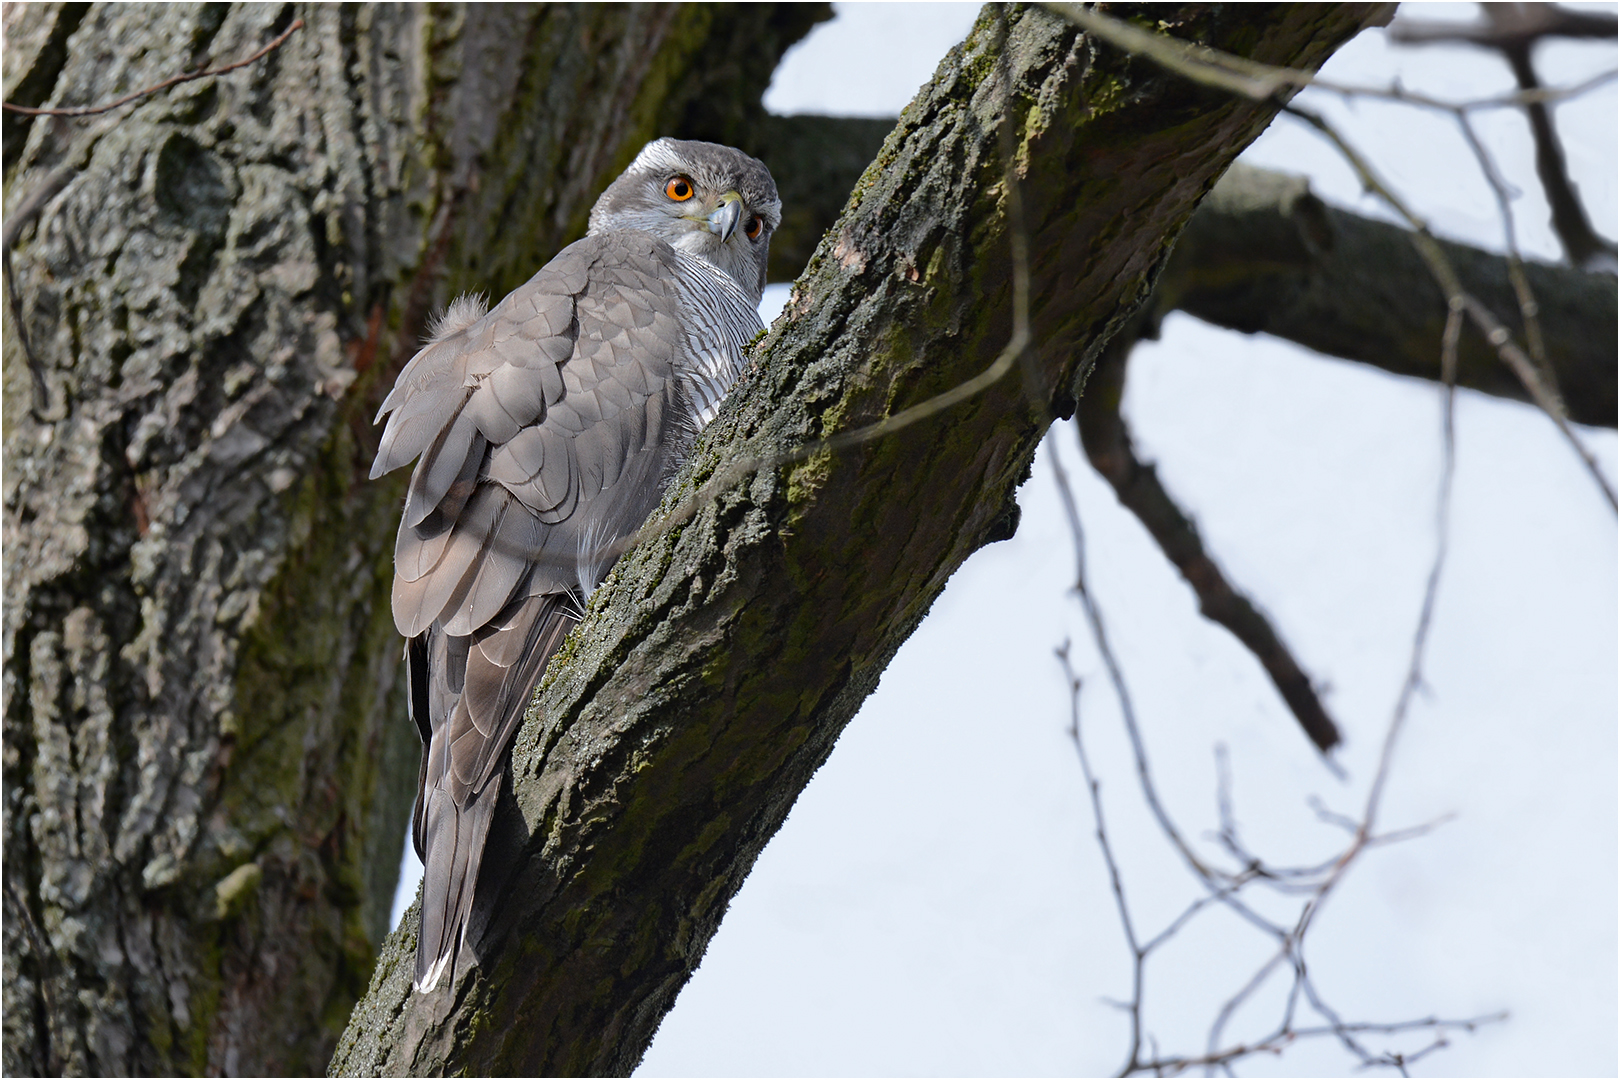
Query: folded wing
[541, 431]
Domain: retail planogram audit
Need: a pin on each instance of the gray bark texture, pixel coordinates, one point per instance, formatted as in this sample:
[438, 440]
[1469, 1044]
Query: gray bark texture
[207, 764]
[721, 659]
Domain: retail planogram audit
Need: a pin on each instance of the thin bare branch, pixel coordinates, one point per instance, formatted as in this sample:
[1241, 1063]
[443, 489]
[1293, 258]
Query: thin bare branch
[1431, 588]
[1457, 298]
[93, 110]
[1259, 82]
[1519, 27]
[1529, 309]
[1122, 692]
[1094, 789]
[1276, 1044]
[1316, 883]
[1248, 78]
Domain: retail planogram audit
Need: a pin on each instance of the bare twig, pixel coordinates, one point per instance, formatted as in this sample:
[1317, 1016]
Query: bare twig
[1314, 883]
[1529, 310]
[1116, 677]
[1582, 244]
[1512, 31]
[1431, 588]
[1260, 82]
[1094, 789]
[1249, 78]
[93, 110]
[1276, 1044]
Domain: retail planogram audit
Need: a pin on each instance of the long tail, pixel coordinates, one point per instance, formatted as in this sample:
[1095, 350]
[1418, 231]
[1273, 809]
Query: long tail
[468, 696]
[455, 845]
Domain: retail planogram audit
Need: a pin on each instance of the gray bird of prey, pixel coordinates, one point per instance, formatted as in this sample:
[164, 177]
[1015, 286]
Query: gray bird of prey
[543, 430]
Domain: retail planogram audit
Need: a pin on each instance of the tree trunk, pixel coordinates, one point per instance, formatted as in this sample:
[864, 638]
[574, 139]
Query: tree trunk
[207, 762]
[721, 659]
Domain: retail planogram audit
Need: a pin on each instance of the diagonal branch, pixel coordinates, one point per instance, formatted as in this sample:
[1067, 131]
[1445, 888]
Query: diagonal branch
[1513, 31]
[1459, 299]
[1516, 24]
[1107, 442]
[1582, 244]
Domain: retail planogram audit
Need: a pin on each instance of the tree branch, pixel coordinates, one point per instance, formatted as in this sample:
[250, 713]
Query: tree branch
[1517, 24]
[1513, 31]
[1107, 442]
[202, 685]
[1264, 254]
[1584, 247]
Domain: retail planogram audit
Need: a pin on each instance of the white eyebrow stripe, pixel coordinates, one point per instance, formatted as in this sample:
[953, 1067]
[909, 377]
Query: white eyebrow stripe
[657, 154]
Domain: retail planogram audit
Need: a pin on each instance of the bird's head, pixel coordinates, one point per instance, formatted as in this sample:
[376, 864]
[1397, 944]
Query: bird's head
[706, 199]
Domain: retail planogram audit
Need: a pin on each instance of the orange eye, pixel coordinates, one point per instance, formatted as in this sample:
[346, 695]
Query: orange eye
[755, 226]
[679, 188]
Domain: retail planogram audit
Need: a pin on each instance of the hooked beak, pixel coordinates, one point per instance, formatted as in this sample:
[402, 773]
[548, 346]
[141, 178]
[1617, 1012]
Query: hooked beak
[723, 222]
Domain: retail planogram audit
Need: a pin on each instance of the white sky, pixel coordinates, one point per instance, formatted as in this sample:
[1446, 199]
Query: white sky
[935, 903]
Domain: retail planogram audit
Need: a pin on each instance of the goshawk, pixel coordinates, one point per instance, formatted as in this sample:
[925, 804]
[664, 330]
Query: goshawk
[546, 428]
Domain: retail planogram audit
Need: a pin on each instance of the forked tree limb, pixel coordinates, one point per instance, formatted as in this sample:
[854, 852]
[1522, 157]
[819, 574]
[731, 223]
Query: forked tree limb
[1513, 31]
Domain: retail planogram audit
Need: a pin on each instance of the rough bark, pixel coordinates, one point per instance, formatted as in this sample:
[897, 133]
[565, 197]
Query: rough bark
[721, 660]
[207, 768]
[816, 161]
[1264, 254]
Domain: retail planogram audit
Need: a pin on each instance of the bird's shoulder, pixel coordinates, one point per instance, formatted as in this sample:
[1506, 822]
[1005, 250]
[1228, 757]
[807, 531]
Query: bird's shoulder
[596, 330]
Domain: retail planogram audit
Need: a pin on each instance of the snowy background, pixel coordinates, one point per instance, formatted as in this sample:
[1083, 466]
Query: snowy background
[936, 904]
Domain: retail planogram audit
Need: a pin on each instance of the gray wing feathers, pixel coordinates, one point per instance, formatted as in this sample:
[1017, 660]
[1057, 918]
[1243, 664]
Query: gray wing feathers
[540, 431]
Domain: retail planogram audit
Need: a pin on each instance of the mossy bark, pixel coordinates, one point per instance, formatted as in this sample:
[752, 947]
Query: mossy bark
[207, 766]
[720, 661]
